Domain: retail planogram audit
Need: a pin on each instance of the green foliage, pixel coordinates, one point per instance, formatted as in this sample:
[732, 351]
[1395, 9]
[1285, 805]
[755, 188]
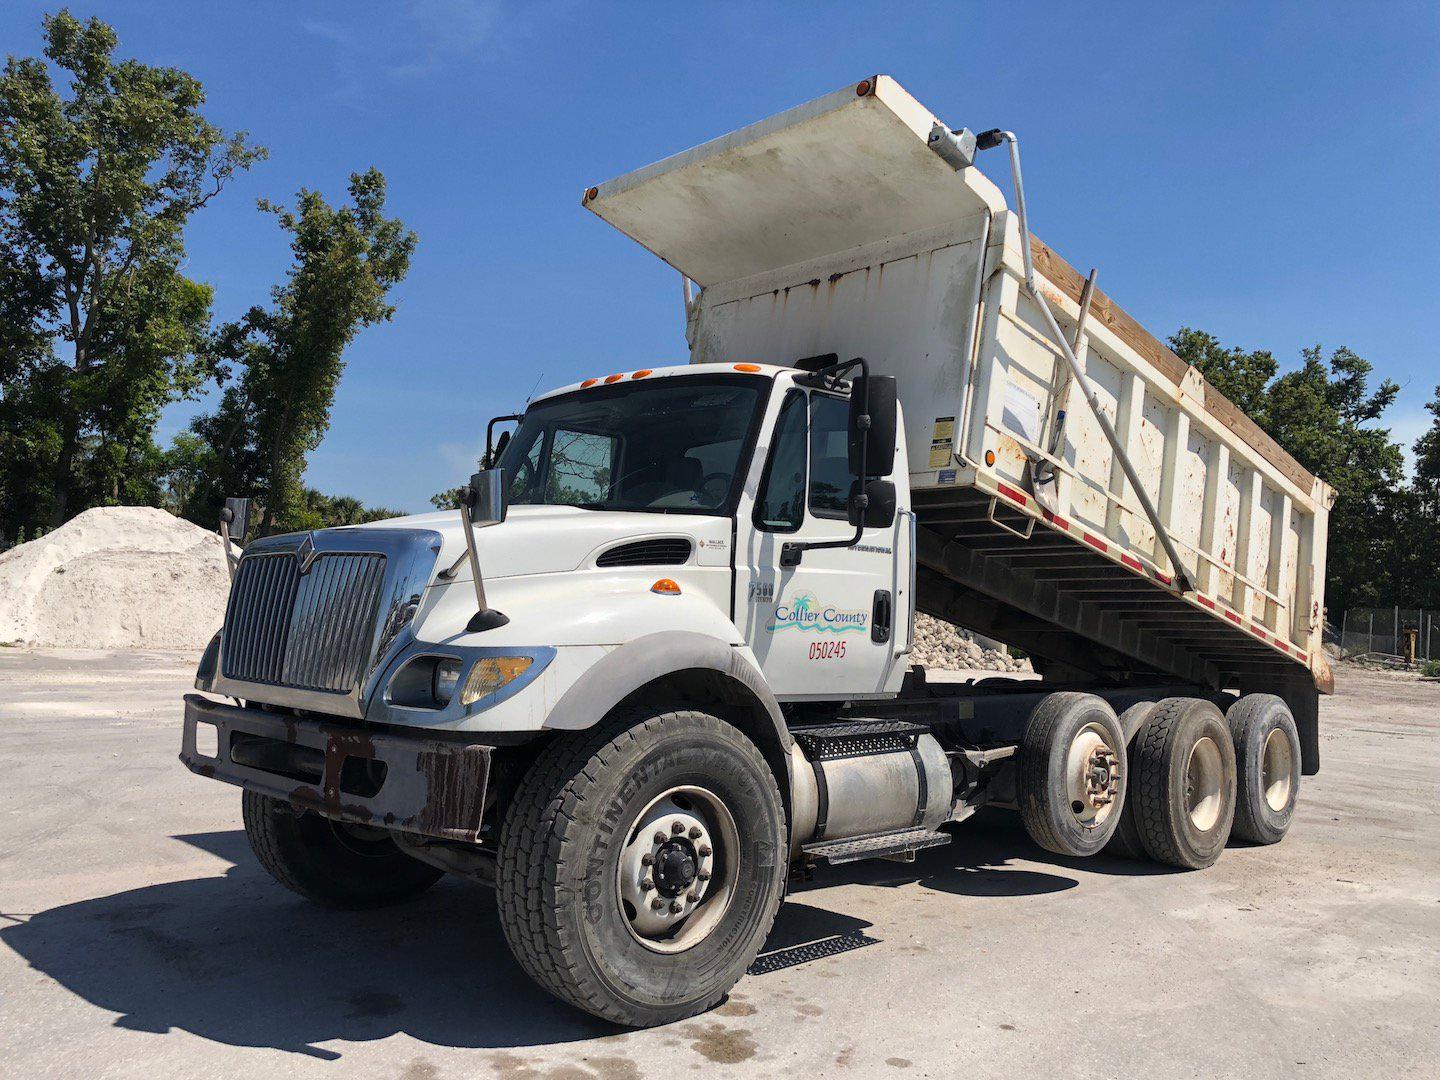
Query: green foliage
[98, 177]
[449, 499]
[1430, 669]
[319, 511]
[345, 261]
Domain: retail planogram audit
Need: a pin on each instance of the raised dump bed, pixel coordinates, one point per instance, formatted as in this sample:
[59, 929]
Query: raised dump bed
[835, 227]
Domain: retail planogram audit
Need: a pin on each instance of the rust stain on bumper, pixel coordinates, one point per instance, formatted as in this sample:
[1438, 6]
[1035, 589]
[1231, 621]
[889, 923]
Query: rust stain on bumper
[430, 786]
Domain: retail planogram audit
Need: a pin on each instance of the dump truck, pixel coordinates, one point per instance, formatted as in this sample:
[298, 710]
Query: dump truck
[658, 662]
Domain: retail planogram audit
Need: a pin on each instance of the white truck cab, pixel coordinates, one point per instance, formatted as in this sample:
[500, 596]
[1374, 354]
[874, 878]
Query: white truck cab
[659, 658]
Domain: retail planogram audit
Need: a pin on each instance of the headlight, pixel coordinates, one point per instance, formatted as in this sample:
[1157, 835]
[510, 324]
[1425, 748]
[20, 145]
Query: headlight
[430, 682]
[444, 681]
[490, 673]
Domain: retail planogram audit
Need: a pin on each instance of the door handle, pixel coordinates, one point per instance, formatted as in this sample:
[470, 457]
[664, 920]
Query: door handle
[881, 616]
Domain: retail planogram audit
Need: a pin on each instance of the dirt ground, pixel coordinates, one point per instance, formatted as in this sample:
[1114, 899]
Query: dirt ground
[141, 939]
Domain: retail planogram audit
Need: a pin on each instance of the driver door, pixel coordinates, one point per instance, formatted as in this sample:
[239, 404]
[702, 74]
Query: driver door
[825, 628]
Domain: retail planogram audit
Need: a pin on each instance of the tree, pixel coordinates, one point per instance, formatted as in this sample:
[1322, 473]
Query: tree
[97, 181]
[346, 260]
[1243, 377]
[1415, 524]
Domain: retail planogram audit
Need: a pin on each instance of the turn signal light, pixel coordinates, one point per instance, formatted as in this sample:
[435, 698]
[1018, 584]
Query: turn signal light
[490, 673]
[665, 587]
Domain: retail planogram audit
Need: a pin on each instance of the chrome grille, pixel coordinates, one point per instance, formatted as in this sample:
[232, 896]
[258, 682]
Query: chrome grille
[312, 631]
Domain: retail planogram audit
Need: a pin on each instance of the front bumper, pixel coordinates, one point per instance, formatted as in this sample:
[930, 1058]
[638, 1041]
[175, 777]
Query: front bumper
[429, 786]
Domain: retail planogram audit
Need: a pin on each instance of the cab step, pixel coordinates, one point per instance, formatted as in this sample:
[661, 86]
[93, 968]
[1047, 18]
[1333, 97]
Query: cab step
[900, 846]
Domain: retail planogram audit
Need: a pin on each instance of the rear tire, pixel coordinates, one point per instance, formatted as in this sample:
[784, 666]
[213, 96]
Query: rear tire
[1125, 844]
[331, 863]
[1073, 774]
[643, 943]
[1184, 783]
[1267, 758]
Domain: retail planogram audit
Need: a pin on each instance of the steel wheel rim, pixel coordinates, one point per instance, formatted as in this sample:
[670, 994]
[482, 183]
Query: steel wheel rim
[706, 843]
[1277, 770]
[1092, 776]
[1204, 782]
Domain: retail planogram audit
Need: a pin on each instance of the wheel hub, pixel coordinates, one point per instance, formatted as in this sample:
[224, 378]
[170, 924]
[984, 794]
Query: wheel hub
[676, 865]
[1094, 771]
[677, 873]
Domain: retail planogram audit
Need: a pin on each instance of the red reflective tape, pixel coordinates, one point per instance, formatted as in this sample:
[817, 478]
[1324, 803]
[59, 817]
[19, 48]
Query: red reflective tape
[1095, 542]
[1016, 496]
[1055, 519]
[1206, 601]
[1232, 616]
[1162, 576]
[1132, 562]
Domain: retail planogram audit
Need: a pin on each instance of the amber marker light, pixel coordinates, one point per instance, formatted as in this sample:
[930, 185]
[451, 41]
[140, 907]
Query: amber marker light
[641, 373]
[588, 383]
[747, 367]
[665, 587]
[613, 378]
[990, 457]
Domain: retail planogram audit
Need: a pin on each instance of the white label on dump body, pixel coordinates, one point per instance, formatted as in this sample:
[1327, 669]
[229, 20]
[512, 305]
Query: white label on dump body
[1022, 413]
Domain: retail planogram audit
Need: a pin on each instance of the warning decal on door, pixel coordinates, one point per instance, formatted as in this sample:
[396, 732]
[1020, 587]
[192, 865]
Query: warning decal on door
[942, 442]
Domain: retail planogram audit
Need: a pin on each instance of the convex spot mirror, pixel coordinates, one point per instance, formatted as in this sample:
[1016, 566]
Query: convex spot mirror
[877, 441]
[879, 509]
[485, 497]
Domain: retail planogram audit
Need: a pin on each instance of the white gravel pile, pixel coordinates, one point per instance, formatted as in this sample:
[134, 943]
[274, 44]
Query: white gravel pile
[116, 577]
[943, 645]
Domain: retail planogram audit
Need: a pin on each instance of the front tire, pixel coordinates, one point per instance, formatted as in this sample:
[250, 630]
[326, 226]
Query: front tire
[693, 794]
[329, 862]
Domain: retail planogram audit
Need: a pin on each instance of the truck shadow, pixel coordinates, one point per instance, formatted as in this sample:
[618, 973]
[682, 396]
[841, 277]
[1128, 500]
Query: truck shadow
[239, 960]
[980, 860]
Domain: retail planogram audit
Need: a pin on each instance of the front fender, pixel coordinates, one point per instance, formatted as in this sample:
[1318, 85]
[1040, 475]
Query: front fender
[642, 661]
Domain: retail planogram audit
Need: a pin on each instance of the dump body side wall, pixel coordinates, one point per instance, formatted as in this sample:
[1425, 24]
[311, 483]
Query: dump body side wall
[987, 395]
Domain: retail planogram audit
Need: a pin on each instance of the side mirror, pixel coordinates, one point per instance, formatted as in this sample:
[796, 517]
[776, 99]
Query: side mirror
[485, 497]
[236, 518]
[878, 511]
[874, 440]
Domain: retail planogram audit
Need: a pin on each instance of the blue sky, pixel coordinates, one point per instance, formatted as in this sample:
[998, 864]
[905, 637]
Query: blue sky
[1270, 173]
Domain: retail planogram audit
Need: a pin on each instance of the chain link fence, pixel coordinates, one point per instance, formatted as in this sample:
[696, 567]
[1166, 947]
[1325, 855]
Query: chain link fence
[1387, 632]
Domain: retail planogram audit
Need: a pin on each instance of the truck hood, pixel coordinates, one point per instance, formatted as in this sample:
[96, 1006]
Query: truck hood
[558, 539]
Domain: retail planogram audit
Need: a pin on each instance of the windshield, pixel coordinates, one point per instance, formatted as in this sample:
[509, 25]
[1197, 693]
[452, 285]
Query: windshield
[675, 445]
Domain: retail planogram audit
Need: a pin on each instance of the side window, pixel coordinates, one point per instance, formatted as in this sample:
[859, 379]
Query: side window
[525, 480]
[830, 477]
[781, 505]
[581, 467]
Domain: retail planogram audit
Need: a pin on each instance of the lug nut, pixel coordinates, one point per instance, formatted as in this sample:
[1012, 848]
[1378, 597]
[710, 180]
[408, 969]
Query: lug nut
[648, 884]
[677, 827]
[696, 832]
[704, 875]
[646, 859]
[657, 903]
[660, 838]
[676, 907]
[692, 897]
[704, 850]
